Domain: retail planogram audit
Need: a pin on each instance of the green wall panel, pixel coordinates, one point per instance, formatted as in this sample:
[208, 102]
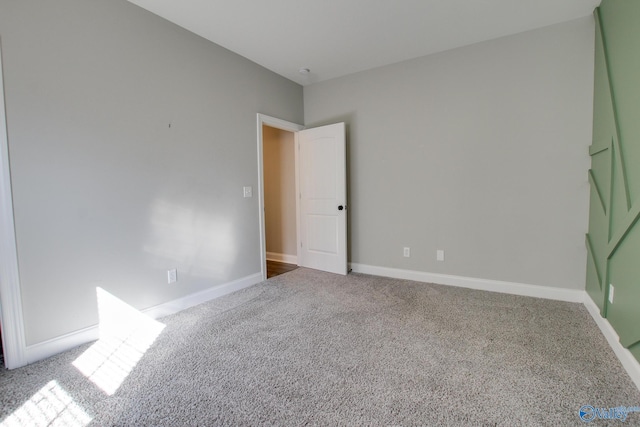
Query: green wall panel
[613, 240]
[603, 120]
[621, 21]
[618, 206]
[624, 274]
[600, 178]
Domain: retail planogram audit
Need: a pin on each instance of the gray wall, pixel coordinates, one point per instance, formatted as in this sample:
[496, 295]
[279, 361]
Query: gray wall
[105, 192]
[480, 151]
[279, 191]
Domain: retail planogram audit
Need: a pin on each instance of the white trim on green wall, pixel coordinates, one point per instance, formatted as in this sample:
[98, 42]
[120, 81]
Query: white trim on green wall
[630, 364]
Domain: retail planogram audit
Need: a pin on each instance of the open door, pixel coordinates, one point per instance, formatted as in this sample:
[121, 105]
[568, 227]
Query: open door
[323, 197]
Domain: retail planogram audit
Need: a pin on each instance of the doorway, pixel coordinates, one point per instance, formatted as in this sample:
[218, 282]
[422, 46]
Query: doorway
[320, 194]
[279, 181]
[283, 129]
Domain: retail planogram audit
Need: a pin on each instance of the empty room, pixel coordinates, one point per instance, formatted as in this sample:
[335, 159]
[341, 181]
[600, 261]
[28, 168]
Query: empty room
[362, 212]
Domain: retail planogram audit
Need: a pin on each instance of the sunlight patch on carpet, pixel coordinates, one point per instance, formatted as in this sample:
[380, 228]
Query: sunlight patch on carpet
[50, 406]
[125, 335]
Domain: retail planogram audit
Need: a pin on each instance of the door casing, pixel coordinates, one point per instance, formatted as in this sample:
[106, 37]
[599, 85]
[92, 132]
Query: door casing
[13, 339]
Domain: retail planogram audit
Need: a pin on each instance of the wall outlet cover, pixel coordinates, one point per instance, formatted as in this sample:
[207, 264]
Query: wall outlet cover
[172, 276]
[610, 293]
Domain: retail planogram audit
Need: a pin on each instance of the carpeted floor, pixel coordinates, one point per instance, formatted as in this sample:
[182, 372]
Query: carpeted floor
[312, 348]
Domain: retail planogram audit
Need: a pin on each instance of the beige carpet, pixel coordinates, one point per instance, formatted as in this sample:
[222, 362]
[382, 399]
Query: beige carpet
[312, 348]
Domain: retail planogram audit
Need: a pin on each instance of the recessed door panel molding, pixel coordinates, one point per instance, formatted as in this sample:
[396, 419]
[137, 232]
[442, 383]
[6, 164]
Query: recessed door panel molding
[322, 234]
[319, 163]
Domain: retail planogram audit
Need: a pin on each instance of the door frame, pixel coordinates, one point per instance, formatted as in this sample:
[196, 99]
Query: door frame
[13, 339]
[273, 122]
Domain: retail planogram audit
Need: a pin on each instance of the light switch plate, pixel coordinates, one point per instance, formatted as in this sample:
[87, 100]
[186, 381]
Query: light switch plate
[440, 255]
[247, 191]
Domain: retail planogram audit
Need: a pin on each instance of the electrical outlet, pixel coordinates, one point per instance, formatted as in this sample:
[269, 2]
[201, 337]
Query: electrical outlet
[440, 255]
[172, 276]
[610, 293]
[407, 252]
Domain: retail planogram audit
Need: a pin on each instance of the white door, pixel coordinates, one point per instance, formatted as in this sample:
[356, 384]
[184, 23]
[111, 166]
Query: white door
[323, 198]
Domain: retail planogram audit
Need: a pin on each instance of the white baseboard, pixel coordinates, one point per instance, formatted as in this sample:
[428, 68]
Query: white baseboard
[627, 359]
[48, 348]
[202, 296]
[569, 295]
[68, 341]
[289, 259]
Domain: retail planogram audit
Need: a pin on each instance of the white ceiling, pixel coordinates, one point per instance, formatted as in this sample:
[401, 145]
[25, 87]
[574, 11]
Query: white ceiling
[338, 37]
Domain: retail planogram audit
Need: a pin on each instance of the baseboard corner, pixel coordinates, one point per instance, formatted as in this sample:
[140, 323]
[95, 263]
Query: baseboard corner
[628, 361]
[53, 346]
